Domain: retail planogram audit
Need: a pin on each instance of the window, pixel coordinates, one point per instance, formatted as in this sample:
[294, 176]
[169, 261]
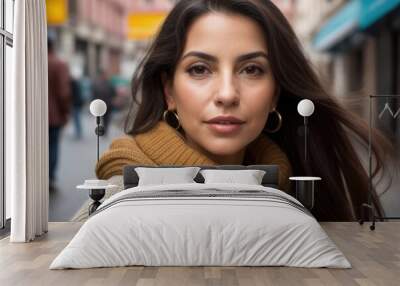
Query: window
[6, 45]
[9, 13]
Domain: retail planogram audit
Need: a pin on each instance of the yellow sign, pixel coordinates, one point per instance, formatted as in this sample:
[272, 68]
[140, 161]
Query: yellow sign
[144, 25]
[57, 12]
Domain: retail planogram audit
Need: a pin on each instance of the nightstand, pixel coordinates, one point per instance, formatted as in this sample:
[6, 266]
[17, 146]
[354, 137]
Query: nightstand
[305, 189]
[97, 190]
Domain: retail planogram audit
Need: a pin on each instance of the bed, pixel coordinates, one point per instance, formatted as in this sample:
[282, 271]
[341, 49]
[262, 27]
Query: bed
[201, 223]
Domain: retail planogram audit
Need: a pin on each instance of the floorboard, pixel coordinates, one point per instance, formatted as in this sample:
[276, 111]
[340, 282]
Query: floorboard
[374, 255]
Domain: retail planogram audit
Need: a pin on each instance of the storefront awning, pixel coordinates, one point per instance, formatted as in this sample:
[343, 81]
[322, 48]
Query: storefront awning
[356, 15]
[57, 12]
[144, 25]
[373, 10]
[340, 26]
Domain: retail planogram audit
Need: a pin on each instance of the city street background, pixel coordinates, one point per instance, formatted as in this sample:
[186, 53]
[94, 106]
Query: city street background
[78, 159]
[353, 45]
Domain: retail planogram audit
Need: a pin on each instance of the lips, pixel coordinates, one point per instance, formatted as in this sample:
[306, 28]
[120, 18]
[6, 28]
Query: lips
[226, 120]
[225, 124]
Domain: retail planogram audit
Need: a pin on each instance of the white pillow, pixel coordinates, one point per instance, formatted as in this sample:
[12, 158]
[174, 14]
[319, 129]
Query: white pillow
[162, 176]
[249, 177]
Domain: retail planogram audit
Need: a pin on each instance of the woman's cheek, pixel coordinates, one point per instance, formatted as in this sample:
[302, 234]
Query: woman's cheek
[190, 97]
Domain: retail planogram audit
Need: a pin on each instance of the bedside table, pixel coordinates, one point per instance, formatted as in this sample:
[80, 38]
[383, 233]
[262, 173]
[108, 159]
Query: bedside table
[305, 188]
[97, 190]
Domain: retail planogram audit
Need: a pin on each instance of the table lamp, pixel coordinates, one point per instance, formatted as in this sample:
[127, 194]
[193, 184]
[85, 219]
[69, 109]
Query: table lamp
[97, 188]
[305, 185]
[98, 108]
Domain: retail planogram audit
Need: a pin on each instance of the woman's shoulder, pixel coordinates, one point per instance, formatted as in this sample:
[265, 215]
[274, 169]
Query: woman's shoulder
[122, 151]
[129, 148]
[123, 141]
[278, 156]
[266, 151]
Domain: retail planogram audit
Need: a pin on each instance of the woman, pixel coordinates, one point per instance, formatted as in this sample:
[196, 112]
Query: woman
[241, 59]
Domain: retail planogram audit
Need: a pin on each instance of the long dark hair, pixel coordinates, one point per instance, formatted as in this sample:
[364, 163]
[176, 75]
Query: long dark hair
[332, 155]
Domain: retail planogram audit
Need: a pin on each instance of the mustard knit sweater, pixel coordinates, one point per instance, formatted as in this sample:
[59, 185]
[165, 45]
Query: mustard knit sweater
[163, 145]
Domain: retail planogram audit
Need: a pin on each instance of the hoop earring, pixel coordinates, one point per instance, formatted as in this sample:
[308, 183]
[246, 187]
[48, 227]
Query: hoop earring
[176, 117]
[276, 129]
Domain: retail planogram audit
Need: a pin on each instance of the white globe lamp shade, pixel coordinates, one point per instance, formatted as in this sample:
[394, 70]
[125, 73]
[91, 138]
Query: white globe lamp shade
[98, 107]
[305, 107]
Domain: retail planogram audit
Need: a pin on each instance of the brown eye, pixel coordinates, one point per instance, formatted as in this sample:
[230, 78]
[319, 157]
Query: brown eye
[253, 70]
[198, 70]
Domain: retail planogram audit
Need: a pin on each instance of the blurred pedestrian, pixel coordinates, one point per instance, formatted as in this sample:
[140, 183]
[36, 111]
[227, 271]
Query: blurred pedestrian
[77, 103]
[103, 89]
[59, 106]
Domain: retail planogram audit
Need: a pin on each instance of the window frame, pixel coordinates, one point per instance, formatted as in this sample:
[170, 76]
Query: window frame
[6, 39]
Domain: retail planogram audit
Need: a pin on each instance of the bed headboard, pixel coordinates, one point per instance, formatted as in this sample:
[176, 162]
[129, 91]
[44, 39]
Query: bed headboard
[270, 178]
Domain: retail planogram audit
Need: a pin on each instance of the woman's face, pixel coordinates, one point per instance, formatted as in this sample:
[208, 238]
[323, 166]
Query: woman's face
[223, 71]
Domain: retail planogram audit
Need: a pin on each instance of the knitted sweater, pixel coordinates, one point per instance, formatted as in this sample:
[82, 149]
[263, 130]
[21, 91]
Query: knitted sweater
[163, 145]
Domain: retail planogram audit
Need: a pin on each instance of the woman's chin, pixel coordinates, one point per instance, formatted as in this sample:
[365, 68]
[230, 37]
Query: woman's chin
[216, 147]
[225, 154]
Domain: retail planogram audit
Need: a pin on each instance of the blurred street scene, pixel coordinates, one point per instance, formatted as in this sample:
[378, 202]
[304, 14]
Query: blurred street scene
[354, 45]
[101, 41]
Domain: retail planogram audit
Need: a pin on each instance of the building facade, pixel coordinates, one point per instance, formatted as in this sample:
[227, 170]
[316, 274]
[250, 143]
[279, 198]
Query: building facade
[92, 35]
[355, 46]
[362, 39]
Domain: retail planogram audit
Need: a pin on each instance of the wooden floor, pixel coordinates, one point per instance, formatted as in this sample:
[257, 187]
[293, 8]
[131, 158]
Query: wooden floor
[374, 255]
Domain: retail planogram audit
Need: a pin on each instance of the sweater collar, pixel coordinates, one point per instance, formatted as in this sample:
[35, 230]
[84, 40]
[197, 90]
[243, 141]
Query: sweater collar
[166, 146]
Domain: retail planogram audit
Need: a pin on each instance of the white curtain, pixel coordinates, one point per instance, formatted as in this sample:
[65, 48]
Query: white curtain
[27, 124]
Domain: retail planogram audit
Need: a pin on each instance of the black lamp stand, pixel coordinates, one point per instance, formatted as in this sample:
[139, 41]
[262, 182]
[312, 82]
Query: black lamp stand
[305, 137]
[97, 194]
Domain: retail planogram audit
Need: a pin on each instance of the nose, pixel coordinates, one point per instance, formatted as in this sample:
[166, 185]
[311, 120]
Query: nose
[227, 93]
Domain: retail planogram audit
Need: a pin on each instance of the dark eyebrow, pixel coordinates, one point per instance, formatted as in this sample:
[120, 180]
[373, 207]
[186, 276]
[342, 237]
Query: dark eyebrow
[239, 59]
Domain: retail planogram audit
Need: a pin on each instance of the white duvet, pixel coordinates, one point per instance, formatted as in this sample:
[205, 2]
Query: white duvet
[207, 230]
